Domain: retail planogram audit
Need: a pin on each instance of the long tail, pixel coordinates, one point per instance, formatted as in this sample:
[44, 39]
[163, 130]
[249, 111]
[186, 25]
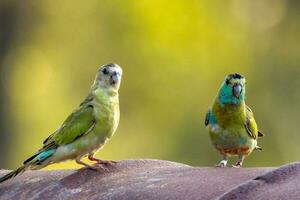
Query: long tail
[12, 174]
[36, 161]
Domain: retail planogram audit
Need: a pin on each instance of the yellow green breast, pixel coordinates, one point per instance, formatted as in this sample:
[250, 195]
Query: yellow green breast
[228, 133]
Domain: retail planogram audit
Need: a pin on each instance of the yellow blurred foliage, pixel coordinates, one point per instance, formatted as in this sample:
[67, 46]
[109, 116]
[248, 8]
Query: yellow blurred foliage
[174, 55]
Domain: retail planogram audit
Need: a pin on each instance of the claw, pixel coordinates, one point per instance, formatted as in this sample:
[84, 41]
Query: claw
[237, 165]
[106, 162]
[222, 164]
[100, 167]
[101, 162]
[78, 161]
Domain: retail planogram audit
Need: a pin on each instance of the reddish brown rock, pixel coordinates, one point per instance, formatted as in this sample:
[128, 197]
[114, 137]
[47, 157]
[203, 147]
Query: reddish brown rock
[154, 179]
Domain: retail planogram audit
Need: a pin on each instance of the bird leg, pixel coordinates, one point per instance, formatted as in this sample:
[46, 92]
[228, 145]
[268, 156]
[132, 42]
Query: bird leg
[239, 163]
[223, 162]
[101, 162]
[78, 161]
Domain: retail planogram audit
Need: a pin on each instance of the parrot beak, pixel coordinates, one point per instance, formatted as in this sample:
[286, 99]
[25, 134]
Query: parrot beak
[115, 78]
[237, 90]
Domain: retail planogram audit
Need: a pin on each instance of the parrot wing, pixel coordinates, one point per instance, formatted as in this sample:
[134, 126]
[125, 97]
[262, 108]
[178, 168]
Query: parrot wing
[251, 126]
[79, 123]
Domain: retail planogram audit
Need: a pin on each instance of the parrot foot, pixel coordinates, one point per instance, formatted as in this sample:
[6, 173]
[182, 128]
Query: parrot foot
[101, 162]
[222, 164]
[95, 168]
[107, 162]
[101, 168]
[237, 165]
[258, 148]
[104, 164]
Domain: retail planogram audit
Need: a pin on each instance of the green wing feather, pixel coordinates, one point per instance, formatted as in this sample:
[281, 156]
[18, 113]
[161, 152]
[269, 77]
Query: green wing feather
[251, 125]
[79, 123]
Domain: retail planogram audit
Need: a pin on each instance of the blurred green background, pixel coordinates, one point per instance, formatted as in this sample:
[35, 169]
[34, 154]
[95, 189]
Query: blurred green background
[174, 54]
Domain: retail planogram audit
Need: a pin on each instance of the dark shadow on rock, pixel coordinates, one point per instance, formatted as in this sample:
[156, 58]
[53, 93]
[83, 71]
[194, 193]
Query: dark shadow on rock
[80, 177]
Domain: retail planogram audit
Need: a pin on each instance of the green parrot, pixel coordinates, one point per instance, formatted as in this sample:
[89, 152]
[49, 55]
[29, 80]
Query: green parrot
[231, 124]
[86, 130]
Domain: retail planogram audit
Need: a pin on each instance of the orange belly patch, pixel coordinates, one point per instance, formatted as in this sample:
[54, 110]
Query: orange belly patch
[234, 151]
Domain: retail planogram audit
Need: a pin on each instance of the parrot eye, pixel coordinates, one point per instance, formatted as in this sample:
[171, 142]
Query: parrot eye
[105, 71]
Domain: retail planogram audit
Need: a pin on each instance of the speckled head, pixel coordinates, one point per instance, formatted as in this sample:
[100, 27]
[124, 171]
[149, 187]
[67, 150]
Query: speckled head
[109, 76]
[232, 90]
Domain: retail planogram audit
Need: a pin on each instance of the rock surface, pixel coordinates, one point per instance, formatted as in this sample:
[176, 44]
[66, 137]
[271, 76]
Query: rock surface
[154, 179]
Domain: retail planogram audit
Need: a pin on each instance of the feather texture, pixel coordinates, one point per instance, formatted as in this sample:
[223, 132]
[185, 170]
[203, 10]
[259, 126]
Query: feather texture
[231, 124]
[86, 129]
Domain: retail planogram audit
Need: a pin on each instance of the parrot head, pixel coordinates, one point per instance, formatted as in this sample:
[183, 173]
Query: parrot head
[232, 90]
[109, 76]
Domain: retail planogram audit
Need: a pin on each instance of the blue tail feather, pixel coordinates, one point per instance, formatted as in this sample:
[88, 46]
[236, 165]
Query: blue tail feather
[39, 157]
[42, 156]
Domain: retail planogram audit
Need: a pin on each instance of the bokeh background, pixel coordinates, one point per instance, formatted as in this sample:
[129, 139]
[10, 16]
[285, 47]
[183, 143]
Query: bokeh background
[174, 54]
